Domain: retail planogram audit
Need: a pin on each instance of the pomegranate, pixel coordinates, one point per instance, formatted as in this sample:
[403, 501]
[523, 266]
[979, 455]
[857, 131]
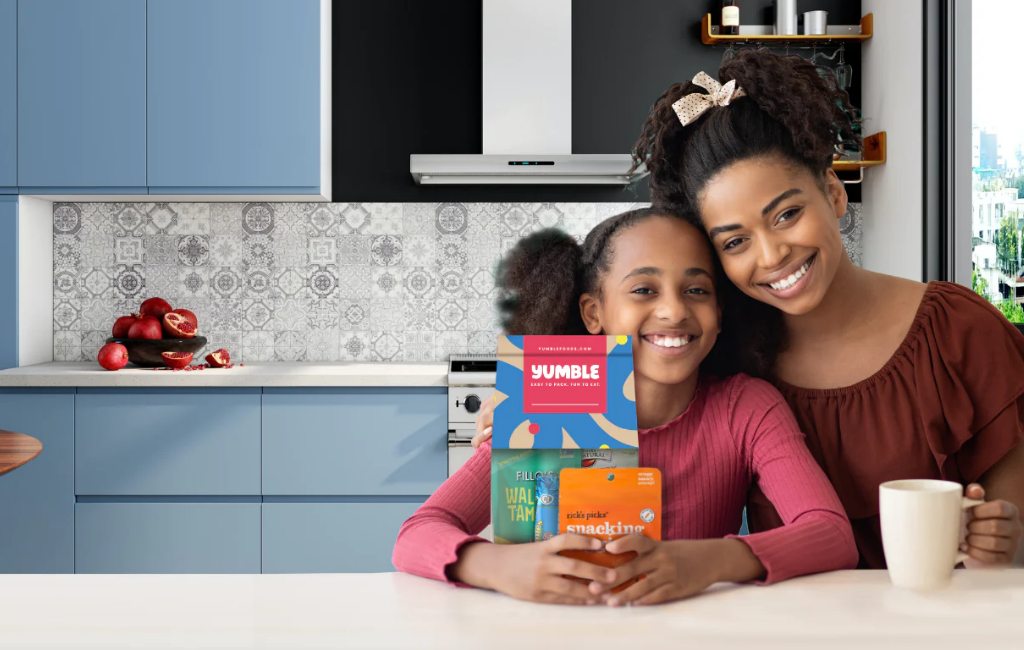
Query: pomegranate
[122, 325]
[145, 327]
[188, 315]
[219, 358]
[179, 327]
[113, 356]
[155, 307]
[177, 359]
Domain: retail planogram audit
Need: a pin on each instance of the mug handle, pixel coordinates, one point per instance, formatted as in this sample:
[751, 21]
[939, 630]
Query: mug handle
[965, 504]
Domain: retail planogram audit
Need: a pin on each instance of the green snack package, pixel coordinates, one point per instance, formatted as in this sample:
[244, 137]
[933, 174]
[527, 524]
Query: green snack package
[514, 475]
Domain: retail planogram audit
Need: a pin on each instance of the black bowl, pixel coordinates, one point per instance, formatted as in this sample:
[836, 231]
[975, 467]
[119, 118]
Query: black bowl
[146, 352]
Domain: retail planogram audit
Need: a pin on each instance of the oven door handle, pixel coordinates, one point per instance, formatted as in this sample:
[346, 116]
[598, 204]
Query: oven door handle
[458, 442]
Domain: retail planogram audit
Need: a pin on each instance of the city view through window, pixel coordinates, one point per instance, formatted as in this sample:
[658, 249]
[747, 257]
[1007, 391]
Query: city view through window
[997, 157]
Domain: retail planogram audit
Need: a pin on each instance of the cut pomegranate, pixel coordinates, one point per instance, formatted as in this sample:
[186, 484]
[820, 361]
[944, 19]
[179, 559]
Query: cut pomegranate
[187, 314]
[155, 307]
[145, 327]
[177, 359]
[178, 326]
[122, 325]
[113, 356]
[219, 358]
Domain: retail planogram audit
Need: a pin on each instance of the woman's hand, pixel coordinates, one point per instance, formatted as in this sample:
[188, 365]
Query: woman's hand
[533, 571]
[993, 532]
[484, 422]
[675, 569]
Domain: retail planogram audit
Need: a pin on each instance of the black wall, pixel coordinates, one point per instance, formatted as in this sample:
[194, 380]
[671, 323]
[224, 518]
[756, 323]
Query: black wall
[407, 79]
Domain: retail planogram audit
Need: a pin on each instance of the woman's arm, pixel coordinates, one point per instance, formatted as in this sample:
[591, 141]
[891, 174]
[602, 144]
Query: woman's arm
[995, 531]
[816, 535]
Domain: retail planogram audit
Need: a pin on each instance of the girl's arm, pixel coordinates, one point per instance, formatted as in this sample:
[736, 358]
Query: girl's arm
[440, 541]
[816, 534]
[429, 542]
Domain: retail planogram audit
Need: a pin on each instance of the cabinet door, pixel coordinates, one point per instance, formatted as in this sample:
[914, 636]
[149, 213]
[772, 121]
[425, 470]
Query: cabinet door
[82, 96]
[8, 283]
[37, 500]
[151, 441]
[331, 537]
[167, 538]
[234, 96]
[354, 441]
[8, 96]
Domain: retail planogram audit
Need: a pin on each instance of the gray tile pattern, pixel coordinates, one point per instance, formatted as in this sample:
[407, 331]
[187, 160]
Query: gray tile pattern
[305, 281]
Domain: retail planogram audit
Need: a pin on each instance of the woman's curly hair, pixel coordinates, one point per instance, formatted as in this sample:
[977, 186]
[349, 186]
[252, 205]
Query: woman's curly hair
[792, 109]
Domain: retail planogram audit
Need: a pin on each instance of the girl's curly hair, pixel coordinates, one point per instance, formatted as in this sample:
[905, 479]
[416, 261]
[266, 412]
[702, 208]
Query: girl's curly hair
[541, 279]
[792, 109]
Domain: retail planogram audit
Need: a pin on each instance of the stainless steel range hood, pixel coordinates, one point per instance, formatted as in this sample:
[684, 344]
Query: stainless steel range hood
[527, 107]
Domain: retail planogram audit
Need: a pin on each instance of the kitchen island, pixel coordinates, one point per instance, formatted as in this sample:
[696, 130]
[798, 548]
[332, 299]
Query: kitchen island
[845, 609]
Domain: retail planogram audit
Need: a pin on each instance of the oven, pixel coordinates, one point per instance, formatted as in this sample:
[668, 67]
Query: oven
[471, 380]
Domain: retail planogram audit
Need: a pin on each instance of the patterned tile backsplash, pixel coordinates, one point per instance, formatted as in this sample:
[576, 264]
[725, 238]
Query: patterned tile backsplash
[304, 281]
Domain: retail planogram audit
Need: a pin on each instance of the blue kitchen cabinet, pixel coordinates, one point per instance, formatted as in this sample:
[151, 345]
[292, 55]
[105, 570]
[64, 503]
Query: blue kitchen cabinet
[148, 441]
[167, 537]
[8, 96]
[234, 93]
[332, 537]
[354, 441]
[81, 96]
[8, 283]
[37, 500]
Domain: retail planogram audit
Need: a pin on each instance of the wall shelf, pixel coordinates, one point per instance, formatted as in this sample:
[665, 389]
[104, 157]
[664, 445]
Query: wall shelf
[763, 33]
[872, 156]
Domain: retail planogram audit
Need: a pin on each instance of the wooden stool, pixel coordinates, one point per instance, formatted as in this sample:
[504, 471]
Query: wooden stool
[16, 449]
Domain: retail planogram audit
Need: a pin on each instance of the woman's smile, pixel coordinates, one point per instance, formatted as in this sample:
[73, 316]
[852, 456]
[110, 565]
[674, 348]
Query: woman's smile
[789, 283]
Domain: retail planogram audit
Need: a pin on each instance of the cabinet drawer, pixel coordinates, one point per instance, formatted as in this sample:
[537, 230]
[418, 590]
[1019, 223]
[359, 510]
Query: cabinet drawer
[331, 537]
[354, 441]
[37, 500]
[167, 442]
[167, 537]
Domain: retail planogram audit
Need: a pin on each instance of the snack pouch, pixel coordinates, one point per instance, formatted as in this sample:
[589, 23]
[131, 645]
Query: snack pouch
[560, 402]
[514, 474]
[609, 505]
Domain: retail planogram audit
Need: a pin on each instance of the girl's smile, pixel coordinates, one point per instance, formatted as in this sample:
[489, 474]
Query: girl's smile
[659, 288]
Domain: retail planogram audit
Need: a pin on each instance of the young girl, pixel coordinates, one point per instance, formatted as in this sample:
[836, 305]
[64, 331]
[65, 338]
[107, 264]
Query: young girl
[889, 378]
[648, 274]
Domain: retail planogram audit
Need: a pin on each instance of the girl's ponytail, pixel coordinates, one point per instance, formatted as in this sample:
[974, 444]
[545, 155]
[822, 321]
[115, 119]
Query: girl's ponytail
[539, 285]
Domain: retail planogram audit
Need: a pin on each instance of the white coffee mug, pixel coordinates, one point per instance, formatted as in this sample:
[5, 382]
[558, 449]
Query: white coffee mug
[921, 525]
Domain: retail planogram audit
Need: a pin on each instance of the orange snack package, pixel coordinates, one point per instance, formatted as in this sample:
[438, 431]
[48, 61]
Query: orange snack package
[609, 504]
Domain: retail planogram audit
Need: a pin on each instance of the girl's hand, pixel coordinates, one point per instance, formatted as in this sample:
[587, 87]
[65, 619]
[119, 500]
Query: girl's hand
[484, 420]
[674, 569]
[533, 571]
[993, 532]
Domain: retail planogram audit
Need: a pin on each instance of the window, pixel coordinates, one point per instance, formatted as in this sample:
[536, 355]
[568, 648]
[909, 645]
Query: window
[996, 177]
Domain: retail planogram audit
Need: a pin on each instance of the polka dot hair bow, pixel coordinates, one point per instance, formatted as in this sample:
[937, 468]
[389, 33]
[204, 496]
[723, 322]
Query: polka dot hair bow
[692, 106]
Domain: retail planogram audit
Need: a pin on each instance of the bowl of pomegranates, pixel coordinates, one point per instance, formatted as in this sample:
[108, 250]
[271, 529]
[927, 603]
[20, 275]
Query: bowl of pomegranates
[148, 352]
[157, 329]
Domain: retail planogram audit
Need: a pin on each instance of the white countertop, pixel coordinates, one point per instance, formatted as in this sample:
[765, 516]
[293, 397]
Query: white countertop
[268, 374]
[846, 609]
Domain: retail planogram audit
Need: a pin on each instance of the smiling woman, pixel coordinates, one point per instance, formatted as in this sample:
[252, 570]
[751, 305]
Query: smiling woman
[889, 378]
